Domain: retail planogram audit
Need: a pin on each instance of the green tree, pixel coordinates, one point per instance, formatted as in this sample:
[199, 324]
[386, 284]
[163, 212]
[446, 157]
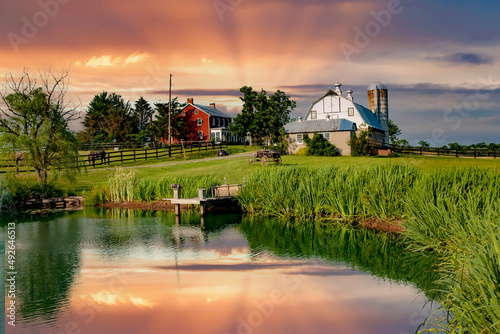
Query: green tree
[143, 112]
[360, 146]
[109, 118]
[401, 142]
[424, 144]
[455, 146]
[35, 121]
[178, 126]
[394, 132]
[318, 145]
[263, 116]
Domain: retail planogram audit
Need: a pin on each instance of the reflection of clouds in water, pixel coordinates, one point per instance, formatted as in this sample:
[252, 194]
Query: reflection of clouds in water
[110, 299]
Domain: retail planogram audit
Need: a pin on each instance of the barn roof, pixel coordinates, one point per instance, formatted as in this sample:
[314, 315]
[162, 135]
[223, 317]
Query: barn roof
[369, 117]
[320, 125]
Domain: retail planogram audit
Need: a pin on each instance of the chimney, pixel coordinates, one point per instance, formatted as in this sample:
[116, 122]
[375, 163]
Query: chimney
[212, 105]
[349, 94]
[190, 100]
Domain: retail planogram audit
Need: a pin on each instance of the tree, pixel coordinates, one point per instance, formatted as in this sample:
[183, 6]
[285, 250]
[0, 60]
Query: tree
[143, 113]
[360, 146]
[178, 126]
[424, 144]
[394, 132]
[401, 142]
[455, 146]
[36, 119]
[109, 118]
[318, 145]
[263, 116]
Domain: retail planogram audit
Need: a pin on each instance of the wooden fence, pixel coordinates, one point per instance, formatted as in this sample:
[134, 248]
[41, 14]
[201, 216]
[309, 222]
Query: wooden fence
[128, 155]
[447, 152]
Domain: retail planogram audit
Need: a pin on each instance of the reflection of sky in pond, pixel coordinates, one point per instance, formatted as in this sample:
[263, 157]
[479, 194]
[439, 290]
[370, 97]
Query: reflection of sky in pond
[188, 279]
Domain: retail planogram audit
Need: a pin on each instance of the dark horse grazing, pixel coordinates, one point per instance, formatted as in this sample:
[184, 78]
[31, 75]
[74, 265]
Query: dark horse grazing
[94, 155]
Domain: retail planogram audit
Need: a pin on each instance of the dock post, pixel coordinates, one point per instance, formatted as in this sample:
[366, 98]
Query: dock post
[177, 195]
[202, 196]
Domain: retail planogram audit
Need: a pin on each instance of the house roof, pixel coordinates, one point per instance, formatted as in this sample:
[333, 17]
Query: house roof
[369, 117]
[211, 111]
[320, 125]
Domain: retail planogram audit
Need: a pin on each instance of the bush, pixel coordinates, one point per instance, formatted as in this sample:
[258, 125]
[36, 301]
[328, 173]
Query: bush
[318, 145]
[22, 187]
[360, 146]
[301, 151]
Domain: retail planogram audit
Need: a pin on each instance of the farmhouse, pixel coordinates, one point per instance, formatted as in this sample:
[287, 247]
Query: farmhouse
[337, 117]
[207, 122]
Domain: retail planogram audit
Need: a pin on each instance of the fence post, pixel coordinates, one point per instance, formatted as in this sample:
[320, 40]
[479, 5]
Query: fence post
[145, 154]
[421, 150]
[191, 147]
[156, 152]
[474, 153]
[121, 156]
[494, 154]
[438, 151]
[169, 151]
[134, 152]
[456, 152]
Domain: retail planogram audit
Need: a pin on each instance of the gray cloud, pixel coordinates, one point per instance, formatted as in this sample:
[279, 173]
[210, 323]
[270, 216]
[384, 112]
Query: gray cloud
[465, 58]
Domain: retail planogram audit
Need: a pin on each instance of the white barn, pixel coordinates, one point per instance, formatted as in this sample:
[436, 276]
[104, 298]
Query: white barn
[336, 117]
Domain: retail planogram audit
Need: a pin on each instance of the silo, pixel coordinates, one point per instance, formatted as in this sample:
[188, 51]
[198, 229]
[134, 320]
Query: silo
[378, 104]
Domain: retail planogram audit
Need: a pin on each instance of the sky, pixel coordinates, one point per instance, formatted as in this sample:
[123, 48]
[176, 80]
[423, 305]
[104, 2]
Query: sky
[439, 59]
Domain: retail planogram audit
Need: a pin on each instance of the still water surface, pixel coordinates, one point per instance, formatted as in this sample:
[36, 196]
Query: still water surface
[124, 271]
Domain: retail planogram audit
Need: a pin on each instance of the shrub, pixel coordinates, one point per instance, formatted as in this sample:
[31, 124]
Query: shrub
[360, 146]
[318, 145]
[301, 151]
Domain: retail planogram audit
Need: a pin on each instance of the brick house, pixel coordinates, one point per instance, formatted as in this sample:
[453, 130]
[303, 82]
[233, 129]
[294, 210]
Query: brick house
[207, 122]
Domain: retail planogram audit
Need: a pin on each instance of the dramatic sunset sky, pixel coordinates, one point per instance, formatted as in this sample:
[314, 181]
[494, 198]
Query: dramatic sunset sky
[439, 59]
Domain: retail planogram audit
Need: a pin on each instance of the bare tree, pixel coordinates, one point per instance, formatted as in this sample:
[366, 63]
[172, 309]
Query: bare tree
[34, 119]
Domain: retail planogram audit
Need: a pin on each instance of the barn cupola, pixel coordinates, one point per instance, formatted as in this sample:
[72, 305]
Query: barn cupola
[337, 88]
[349, 94]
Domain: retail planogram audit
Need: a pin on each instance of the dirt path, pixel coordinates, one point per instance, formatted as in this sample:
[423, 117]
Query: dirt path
[178, 162]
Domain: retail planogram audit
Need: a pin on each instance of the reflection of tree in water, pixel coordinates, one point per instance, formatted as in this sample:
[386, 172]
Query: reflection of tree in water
[47, 260]
[381, 254]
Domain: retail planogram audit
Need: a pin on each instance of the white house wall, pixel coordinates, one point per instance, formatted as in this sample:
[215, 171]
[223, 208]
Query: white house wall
[336, 107]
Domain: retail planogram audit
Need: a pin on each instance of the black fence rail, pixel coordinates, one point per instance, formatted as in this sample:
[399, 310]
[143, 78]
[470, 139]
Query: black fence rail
[446, 152]
[127, 155]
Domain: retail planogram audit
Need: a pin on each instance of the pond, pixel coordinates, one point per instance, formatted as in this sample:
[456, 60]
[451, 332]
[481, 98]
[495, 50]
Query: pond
[125, 271]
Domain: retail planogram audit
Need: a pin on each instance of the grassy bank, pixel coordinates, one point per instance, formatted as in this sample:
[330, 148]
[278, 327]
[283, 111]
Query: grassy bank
[453, 213]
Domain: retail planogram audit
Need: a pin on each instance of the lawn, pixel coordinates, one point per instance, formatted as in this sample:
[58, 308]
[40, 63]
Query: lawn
[236, 168]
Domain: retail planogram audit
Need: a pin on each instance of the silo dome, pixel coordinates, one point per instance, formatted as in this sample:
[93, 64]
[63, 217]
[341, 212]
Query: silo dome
[377, 86]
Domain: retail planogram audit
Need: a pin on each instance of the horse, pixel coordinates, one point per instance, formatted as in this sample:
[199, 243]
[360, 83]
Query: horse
[94, 155]
[18, 157]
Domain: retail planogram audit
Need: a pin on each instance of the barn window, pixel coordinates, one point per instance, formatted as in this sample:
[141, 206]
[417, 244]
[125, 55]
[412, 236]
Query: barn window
[299, 138]
[200, 133]
[200, 121]
[314, 114]
[326, 135]
[350, 111]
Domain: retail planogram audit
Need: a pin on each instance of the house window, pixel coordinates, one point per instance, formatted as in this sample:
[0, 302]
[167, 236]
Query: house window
[299, 138]
[218, 121]
[200, 133]
[314, 114]
[196, 112]
[200, 121]
[183, 113]
[213, 121]
[326, 135]
[350, 111]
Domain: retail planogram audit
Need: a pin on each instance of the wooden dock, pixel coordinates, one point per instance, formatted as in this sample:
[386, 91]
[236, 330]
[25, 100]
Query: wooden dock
[218, 194]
